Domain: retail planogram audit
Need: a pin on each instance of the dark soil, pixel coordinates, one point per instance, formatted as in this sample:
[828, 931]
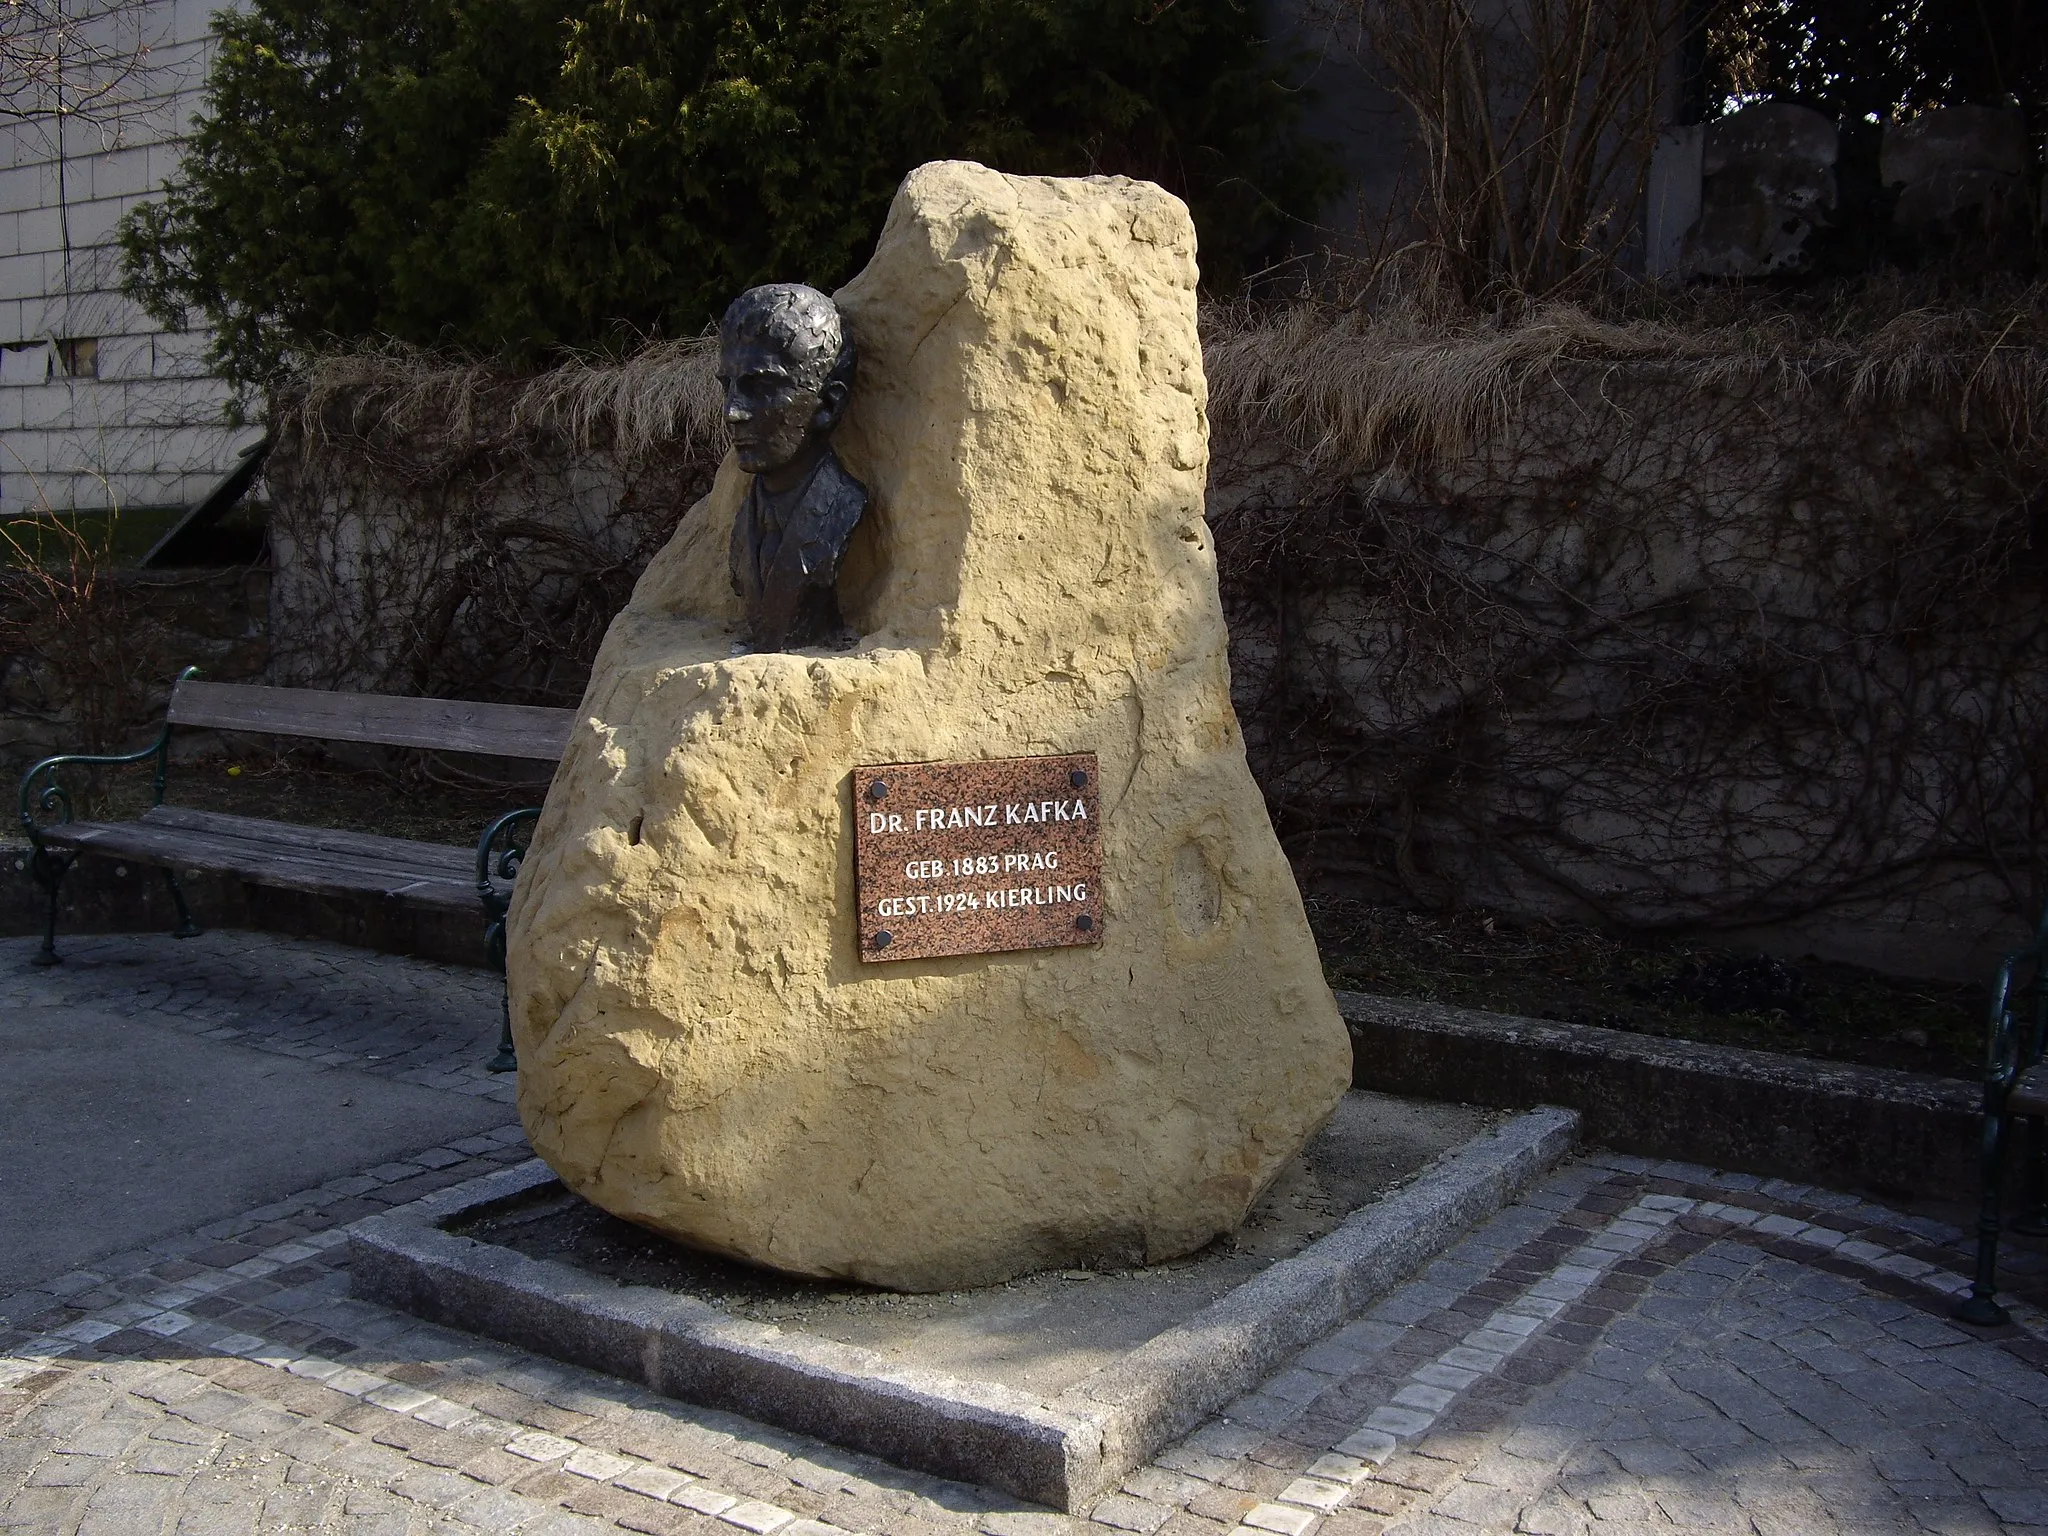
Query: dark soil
[1685, 990]
[563, 1226]
[1372, 1144]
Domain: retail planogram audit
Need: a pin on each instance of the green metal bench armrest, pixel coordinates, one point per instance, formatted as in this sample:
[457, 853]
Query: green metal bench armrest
[2012, 1088]
[53, 801]
[493, 864]
[2013, 1042]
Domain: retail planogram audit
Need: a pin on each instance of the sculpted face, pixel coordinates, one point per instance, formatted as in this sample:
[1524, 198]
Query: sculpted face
[786, 366]
[778, 412]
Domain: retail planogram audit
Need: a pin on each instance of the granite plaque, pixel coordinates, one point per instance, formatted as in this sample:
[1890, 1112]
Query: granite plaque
[972, 858]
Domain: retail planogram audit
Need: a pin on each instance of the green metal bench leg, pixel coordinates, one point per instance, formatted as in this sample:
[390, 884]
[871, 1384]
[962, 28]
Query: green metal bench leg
[186, 929]
[48, 870]
[498, 852]
[1981, 1305]
[507, 1059]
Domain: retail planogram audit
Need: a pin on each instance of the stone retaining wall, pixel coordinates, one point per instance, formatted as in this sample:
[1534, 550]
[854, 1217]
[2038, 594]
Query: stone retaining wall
[1753, 649]
[1901, 1135]
[97, 677]
[1748, 655]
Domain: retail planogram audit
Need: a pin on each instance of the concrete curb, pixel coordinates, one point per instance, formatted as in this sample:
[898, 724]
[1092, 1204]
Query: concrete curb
[1896, 1134]
[1169, 1384]
[1064, 1452]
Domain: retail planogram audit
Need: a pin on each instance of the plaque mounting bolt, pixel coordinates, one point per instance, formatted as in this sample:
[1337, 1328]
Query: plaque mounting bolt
[882, 939]
[1078, 778]
[878, 790]
[1085, 923]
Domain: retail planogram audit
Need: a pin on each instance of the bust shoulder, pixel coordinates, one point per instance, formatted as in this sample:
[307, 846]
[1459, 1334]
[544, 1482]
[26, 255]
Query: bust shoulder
[836, 500]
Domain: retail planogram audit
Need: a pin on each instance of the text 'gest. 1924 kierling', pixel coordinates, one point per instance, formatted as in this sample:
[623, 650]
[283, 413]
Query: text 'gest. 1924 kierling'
[971, 858]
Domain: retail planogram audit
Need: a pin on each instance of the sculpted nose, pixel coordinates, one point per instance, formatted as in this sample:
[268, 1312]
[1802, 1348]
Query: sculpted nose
[735, 412]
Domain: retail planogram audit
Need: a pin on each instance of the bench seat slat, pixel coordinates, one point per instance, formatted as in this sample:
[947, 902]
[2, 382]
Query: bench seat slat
[2029, 1094]
[368, 847]
[314, 859]
[446, 725]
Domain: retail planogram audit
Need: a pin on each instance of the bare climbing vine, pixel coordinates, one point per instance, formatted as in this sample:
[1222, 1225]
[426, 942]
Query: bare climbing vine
[1669, 629]
[463, 533]
[1709, 619]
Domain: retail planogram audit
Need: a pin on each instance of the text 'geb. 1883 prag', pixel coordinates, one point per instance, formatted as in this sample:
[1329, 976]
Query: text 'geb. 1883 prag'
[971, 858]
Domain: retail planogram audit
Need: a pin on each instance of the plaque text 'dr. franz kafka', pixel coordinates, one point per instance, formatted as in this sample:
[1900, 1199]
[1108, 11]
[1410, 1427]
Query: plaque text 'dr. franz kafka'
[969, 858]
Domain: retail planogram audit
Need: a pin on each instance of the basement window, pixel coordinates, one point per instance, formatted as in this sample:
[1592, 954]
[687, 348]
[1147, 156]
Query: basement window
[79, 357]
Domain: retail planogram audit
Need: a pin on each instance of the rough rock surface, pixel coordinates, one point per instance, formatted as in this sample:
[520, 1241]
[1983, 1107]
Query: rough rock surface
[1770, 183]
[1952, 161]
[701, 1048]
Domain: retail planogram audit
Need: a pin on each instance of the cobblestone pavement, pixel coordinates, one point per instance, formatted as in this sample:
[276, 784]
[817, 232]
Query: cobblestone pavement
[1635, 1347]
[414, 1020]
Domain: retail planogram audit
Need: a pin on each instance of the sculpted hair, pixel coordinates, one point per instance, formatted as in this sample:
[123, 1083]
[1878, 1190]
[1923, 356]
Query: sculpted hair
[800, 322]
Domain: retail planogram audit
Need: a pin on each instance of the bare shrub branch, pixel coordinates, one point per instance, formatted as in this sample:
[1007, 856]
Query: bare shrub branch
[73, 656]
[1535, 121]
[81, 61]
[1713, 614]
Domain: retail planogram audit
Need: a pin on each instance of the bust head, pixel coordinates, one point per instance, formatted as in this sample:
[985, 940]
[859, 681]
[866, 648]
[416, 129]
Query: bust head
[786, 366]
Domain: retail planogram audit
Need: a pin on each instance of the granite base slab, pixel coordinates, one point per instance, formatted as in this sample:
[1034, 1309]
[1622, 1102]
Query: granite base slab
[1063, 1447]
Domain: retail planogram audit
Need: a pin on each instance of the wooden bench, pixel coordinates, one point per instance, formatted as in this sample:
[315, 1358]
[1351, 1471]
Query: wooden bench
[283, 855]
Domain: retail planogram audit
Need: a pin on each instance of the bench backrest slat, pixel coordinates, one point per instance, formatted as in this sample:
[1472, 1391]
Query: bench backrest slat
[444, 725]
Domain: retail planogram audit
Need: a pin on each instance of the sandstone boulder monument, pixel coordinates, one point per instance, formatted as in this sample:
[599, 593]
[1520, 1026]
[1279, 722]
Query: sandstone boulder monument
[704, 1045]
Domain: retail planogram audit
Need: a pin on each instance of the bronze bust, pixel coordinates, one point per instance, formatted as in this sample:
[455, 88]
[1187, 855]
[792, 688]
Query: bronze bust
[786, 365]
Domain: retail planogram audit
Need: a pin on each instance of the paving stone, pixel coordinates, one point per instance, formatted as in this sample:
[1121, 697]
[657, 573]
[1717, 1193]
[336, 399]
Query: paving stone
[1649, 1354]
[1125, 1513]
[295, 997]
[1283, 1519]
[2018, 1506]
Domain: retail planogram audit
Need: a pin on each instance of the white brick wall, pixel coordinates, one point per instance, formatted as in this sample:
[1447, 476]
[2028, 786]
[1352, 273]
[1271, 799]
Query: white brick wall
[148, 430]
[127, 357]
[126, 172]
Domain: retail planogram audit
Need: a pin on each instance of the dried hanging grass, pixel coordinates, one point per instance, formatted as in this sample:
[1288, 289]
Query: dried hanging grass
[1353, 388]
[663, 397]
[1349, 386]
